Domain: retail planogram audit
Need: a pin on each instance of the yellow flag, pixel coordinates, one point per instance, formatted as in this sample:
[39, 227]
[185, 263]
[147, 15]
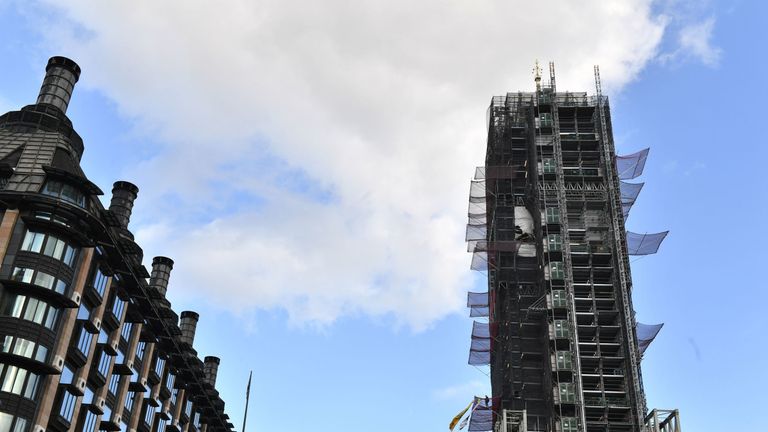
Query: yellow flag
[459, 416]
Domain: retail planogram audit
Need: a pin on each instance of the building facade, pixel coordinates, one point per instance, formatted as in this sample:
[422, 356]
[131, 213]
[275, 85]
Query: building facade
[547, 214]
[89, 340]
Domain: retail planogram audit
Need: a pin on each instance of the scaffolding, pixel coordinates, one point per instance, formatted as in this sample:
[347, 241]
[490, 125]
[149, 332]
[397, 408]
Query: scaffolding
[546, 222]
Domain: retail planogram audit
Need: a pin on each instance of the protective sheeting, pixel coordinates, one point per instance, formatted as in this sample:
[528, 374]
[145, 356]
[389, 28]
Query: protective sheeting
[479, 358]
[479, 312]
[480, 345]
[482, 416]
[481, 330]
[524, 220]
[646, 333]
[644, 244]
[477, 191]
[629, 192]
[476, 232]
[479, 261]
[477, 299]
[631, 166]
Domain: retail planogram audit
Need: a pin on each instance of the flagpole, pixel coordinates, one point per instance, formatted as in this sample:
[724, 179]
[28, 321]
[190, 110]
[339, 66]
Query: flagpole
[247, 397]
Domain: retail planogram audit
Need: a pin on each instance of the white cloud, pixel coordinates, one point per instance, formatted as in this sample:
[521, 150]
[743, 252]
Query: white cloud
[696, 40]
[380, 105]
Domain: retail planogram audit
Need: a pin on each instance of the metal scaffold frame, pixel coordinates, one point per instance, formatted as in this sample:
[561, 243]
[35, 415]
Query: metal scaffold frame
[566, 245]
[623, 262]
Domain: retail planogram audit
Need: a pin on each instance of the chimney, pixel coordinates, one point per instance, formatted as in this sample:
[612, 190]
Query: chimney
[211, 369]
[123, 196]
[161, 272]
[61, 74]
[188, 325]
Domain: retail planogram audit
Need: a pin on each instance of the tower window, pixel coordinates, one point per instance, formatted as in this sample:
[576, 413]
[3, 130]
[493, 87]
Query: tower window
[64, 192]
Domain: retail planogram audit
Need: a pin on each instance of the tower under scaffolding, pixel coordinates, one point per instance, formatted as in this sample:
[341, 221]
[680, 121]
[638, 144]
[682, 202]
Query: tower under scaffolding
[546, 222]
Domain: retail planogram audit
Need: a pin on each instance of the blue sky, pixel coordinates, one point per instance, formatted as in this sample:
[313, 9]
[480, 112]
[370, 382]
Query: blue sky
[307, 167]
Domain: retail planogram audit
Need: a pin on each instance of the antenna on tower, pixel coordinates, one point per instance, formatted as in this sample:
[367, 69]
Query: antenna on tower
[537, 75]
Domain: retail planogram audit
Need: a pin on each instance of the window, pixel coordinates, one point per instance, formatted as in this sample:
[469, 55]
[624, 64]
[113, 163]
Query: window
[49, 245]
[552, 214]
[25, 348]
[561, 329]
[159, 366]
[125, 333]
[30, 309]
[67, 406]
[566, 392]
[9, 423]
[563, 360]
[569, 424]
[188, 408]
[548, 165]
[39, 278]
[104, 363]
[129, 398]
[140, 347]
[114, 382]
[559, 299]
[118, 305]
[89, 423]
[556, 270]
[84, 341]
[53, 218]
[18, 381]
[149, 415]
[170, 380]
[64, 191]
[555, 242]
[99, 282]
[161, 424]
[174, 395]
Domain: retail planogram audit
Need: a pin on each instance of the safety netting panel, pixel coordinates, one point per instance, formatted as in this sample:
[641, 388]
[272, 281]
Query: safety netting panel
[479, 312]
[646, 333]
[480, 345]
[477, 299]
[481, 330]
[482, 416]
[479, 358]
[644, 244]
[477, 191]
[631, 166]
[479, 261]
[476, 209]
[476, 232]
[630, 191]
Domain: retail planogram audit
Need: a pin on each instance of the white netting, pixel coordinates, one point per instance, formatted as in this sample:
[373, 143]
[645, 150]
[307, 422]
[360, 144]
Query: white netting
[482, 416]
[646, 333]
[631, 166]
[479, 312]
[481, 330]
[477, 299]
[644, 244]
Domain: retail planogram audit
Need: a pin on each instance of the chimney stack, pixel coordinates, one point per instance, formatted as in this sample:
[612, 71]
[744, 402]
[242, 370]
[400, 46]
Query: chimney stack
[123, 196]
[61, 74]
[188, 325]
[161, 272]
[211, 369]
